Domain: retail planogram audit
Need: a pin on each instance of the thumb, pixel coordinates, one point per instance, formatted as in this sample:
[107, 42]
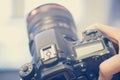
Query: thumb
[109, 67]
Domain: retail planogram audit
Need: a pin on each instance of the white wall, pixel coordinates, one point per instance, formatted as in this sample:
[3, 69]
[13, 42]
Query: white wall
[13, 35]
[14, 50]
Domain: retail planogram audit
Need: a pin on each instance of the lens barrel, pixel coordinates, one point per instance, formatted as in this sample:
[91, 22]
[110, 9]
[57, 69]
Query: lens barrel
[50, 16]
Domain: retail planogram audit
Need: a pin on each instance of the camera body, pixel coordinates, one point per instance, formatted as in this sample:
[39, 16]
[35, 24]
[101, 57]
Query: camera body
[57, 52]
[81, 64]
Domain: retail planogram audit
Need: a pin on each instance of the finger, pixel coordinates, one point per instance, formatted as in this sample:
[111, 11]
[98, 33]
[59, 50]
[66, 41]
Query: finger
[102, 77]
[113, 33]
[110, 66]
[90, 27]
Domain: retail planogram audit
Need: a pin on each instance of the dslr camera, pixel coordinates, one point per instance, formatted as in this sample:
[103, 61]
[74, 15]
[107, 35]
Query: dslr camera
[57, 53]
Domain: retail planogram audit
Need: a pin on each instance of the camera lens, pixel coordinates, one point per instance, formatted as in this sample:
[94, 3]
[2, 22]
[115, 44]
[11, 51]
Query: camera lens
[50, 16]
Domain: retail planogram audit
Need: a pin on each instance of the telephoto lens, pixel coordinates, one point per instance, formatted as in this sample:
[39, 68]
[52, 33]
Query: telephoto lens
[50, 30]
[47, 24]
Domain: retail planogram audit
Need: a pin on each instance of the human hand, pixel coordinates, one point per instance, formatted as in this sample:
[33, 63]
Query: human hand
[110, 66]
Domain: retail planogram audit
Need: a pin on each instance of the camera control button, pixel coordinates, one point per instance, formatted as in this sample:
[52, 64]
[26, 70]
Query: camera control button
[27, 71]
[83, 70]
[99, 34]
[88, 38]
[82, 67]
[96, 58]
[93, 76]
[82, 78]
[82, 64]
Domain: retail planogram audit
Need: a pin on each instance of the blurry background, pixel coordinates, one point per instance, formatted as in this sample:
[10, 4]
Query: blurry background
[14, 50]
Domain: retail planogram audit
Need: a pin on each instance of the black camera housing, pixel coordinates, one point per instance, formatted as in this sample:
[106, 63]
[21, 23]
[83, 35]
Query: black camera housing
[74, 67]
[57, 53]
[85, 66]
